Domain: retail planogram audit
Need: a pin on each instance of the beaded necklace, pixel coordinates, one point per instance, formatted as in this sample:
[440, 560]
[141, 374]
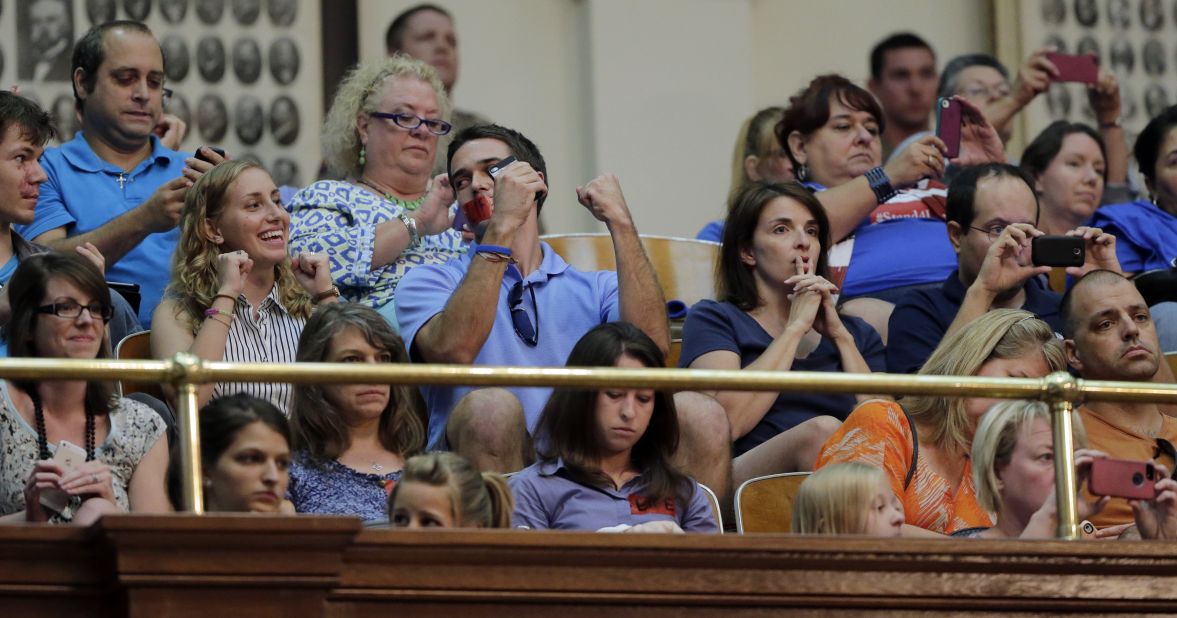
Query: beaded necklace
[43, 441]
[409, 205]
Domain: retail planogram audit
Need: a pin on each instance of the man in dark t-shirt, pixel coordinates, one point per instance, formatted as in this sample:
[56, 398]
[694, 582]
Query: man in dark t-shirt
[991, 212]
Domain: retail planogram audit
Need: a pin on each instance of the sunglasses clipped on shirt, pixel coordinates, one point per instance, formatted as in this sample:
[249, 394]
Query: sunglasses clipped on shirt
[519, 318]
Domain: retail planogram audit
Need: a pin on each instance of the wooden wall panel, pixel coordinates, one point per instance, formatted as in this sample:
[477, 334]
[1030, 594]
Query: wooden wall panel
[327, 566]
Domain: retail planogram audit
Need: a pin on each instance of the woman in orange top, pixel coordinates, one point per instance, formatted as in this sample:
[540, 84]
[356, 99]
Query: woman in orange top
[923, 442]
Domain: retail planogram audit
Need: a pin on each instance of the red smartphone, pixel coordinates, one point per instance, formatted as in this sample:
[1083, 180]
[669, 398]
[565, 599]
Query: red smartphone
[948, 119]
[1081, 68]
[1135, 480]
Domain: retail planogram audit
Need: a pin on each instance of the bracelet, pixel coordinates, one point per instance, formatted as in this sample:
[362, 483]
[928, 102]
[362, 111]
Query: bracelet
[232, 299]
[211, 311]
[411, 226]
[880, 184]
[214, 318]
[504, 251]
[495, 258]
[332, 292]
[1115, 124]
[495, 254]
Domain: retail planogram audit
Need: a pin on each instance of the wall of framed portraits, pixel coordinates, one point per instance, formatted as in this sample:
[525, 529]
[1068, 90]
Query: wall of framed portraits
[1134, 39]
[246, 75]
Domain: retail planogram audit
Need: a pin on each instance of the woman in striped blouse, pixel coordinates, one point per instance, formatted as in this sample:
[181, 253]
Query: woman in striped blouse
[235, 294]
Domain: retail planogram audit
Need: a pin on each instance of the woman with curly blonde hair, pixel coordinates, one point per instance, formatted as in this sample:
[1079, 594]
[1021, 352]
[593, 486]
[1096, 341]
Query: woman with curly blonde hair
[384, 217]
[235, 294]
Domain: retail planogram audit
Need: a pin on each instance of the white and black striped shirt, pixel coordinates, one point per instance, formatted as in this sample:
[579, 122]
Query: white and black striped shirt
[271, 338]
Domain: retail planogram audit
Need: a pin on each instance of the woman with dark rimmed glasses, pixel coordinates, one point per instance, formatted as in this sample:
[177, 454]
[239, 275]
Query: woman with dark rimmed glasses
[386, 216]
[60, 307]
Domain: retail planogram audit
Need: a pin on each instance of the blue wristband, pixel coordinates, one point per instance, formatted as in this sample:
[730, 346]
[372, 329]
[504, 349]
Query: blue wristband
[504, 251]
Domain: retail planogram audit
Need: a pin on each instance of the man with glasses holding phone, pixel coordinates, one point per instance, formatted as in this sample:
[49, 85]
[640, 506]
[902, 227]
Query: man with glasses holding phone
[511, 300]
[992, 211]
[115, 185]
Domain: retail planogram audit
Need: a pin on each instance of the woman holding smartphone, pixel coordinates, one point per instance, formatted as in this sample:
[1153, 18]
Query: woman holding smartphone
[60, 306]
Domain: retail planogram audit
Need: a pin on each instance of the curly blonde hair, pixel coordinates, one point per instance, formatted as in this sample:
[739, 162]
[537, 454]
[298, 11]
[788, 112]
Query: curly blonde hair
[194, 274]
[359, 92]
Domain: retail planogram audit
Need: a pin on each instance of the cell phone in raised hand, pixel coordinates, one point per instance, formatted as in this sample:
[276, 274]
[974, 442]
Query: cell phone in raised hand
[948, 121]
[1078, 68]
[1057, 251]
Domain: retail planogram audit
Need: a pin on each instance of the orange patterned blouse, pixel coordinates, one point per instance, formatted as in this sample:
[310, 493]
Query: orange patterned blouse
[877, 433]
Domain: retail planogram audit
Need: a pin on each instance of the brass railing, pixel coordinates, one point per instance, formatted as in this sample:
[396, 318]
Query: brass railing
[186, 372]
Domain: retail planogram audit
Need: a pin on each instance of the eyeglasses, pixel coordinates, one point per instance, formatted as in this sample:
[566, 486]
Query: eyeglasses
[993, 231]
[978, 91]
[519, 318]
[71, 309]
[410, 122]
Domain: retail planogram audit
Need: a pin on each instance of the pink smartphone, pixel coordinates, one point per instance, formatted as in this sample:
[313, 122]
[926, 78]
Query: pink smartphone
[1081, 68]
[1121, 478]
[948, 119]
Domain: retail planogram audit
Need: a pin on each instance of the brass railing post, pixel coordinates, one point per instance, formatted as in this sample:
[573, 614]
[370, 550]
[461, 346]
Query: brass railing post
[187, 382]
[1061, 389]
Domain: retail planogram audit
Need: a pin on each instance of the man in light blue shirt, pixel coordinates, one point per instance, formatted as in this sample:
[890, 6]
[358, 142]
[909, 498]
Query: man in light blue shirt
[114, 185]
[511, 300]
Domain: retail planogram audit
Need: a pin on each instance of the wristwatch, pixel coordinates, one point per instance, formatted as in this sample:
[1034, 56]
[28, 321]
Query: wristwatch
[880, 184]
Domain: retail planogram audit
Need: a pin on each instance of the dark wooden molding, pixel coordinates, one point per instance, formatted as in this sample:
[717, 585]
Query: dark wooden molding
[224, 566]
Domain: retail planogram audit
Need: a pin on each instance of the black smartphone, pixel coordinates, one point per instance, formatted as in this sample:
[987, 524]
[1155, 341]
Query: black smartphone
[948, 118]
[1057, 251]
[200, 156]
[501, 165]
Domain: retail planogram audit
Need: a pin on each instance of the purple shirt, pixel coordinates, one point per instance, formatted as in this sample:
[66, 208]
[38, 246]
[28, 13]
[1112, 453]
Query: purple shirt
[546, 499]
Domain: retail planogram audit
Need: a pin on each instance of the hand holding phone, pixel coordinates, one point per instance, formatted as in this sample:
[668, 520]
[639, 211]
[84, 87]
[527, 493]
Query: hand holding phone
[948, 125]
[1135, 480]
[68, 456]
[1057, 251]
[1079, 68]
[200, 155]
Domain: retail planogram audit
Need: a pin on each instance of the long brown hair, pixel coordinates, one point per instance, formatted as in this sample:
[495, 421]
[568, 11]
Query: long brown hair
[567, 427]
[26, 290]
[314, 427]
[734, 277]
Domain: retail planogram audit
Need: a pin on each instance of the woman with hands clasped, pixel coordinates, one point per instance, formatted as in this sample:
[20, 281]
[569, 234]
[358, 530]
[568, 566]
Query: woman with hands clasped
[235, 294]
[60, 307]
[777, 314]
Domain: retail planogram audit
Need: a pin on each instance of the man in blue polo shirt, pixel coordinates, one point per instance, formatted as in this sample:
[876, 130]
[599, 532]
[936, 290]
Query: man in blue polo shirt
[114, 184]
[511, 300]
[991, 212]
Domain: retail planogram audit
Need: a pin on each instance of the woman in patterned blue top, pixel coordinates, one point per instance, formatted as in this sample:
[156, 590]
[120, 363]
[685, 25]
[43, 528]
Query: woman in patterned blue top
[351, 441]
[380, 136]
